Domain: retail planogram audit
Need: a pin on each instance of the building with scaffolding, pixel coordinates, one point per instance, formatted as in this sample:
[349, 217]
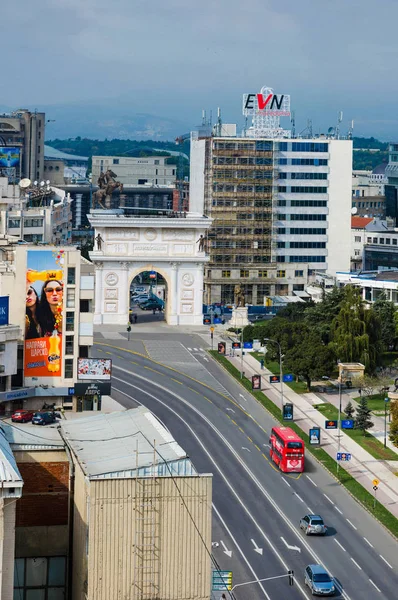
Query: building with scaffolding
[280, 205]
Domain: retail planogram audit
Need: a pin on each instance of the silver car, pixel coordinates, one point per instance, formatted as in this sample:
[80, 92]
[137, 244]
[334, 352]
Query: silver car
[313, 525]
[319, 581]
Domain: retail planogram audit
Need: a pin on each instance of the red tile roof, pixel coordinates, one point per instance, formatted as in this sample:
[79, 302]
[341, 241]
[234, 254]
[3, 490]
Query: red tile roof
[360, 222]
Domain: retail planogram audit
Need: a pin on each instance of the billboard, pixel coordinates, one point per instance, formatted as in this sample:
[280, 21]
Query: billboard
[9, 157]
[44, 313]
[4, 309]
[94, 368]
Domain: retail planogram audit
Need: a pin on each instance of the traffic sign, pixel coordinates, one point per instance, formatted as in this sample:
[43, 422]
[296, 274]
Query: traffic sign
[375, 482]
[248, 345]
[347, 424]
[287, 378]
[343, 456]
[274, 379]
[330, 424]
[375, 488]
[222, 580]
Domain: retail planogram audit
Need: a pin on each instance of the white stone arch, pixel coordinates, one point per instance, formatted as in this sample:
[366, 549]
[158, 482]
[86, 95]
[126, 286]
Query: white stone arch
[162, 270]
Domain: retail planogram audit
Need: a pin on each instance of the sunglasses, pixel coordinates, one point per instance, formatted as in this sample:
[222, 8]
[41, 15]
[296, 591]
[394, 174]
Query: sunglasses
[52, 290]
[29, 292]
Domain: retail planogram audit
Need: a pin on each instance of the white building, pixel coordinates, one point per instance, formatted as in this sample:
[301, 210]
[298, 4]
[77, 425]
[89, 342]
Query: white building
[151, 170]
[372, 284]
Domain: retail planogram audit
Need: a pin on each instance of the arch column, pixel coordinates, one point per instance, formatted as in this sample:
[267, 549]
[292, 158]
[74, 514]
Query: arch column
[173, 295]
[98, 310]
[124, 299]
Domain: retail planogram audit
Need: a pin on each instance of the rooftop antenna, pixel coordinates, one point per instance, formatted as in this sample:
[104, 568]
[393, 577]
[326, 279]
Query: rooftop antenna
[339, 120]
[203, 117]
[350, 130]
[219, 122]
[293, 122]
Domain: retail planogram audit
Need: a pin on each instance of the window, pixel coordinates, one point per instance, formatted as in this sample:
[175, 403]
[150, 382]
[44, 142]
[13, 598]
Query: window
[226, 274]
[381, 241]
[305, 189]
[357, 238]
[281, 202]
[281, 273]
[369, 240]
[388, 240]
[33, 222]
[71, 275]
[309, 162]
[84, 306]
[308, 175]
[302, 217]
[70, 321]
[156, 162]
[281, 244]
[307, 244]
[115, 161]
[14, 223]
[70, 298]
[375, 240]
[299, 273]
[244, 273]
[282, 175]
[68, 368]
[282, 189]
[307, 231]
[301, 259]
[394, 241]
[283, 161]
[281, 230]
[263, 274]
[357, 252]
[69, 343]
[309, 147]
[318, 203]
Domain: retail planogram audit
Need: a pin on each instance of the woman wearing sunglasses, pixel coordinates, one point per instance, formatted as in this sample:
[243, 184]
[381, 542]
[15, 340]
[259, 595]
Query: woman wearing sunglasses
[32, 327]
[49, 312]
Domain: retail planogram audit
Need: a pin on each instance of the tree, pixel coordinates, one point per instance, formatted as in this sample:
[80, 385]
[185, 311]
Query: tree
[349, 410]
[309, 357]
[362, 420]
[321, 315]
[385, 311]
[394, 422]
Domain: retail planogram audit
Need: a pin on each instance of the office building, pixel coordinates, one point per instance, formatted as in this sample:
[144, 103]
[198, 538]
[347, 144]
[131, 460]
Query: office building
[279, 206]
[151, 170]
[22, 145]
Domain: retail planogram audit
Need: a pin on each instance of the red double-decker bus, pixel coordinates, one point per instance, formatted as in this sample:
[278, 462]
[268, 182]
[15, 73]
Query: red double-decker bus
[287, 450]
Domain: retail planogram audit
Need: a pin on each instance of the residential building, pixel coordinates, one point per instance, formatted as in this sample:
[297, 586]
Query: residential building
[181, 196]
[150, 170]
[372, 284]
[358, 240]
[368, 192]
[378, 177]
[22, 145]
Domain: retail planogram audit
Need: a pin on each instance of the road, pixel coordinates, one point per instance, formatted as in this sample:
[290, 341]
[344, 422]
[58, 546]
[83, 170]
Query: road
[256, 509]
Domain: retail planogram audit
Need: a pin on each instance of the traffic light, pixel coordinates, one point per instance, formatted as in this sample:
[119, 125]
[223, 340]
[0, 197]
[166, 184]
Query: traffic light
[291, 577]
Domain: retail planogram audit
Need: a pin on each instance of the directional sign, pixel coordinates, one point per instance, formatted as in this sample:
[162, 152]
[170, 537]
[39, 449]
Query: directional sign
[330, 424]
[347, 424]
[222, 580]
[343, 456]
[375, 482]
[217, 320]
[288, 378]
[275, 379]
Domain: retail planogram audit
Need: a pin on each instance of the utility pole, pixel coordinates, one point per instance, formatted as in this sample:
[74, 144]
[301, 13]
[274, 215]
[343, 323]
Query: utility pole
[280, 367]
[385, 421]
[339, 427]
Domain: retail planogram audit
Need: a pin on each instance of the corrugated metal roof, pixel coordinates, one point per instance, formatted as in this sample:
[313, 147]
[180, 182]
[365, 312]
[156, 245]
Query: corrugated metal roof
[50, 152]
[121, 443]
[9, 472]
[31, 437]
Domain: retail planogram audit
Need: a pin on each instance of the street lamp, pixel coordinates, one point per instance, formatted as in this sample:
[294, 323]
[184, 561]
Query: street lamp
[280, 365]
[339, 420]
[386, 400]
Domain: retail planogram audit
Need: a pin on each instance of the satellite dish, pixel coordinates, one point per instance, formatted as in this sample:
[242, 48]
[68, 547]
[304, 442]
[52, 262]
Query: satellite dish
[25, 183]
[35, 183]
[41, 183]
[354, 210]
[48, 182]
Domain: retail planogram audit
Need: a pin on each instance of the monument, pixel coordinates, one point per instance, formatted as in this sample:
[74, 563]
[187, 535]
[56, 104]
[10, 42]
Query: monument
[239, 312]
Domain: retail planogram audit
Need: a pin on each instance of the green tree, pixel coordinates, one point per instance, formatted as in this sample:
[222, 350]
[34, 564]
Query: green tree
[394, 422]
[349, 410]
[309, 357]
[321, 315]
[386, 313]
[362, 420]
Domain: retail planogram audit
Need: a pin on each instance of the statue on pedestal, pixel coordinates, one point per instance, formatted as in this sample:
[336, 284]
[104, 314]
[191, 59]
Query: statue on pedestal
[107, 185]
[239, 296]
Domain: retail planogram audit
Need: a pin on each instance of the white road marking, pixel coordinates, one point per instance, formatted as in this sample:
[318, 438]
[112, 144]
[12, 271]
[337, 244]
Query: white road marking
[189, 349]
[338, 510]
[367, 541]
[226, 551]
[195, 350]
[283, 479]
[387, 563]
[230, 409]
[242, 396]
[353, 526]
[356, 564]
[313, 482]
[240, 551]
[244, 448]
[342, 547]
[290, 547]
[257, 548]
[310, 511]
[374, 585]
[327, 498]
[206, 359]
[265, 493]
[299, 497]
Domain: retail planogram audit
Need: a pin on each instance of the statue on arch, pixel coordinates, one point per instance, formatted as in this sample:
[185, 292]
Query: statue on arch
[107, 185]
[239, 296]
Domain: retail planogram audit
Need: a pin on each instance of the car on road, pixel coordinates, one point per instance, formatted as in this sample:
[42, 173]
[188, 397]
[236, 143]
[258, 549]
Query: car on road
[141, 298]
[22, 416]
[150, 305]
[43, 418]
[313, 525]
[319, 581]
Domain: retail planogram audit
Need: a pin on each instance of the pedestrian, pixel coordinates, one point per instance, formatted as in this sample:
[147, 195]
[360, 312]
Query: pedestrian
[135, 318]
[154, 311]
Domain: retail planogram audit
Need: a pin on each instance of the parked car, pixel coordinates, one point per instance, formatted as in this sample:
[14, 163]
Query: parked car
[319, 581]
[141, 298]
[43, 418]
[22, 416]
[150, 305]
[313, 525]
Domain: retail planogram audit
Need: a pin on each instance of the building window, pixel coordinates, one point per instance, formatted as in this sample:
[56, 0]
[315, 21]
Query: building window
[69, 343]
[156, 162]
[70, 321]
[71, 275]
[381, 241]
[244, 273]
[369, 240]
[394, 241]
[115, 161]
[356, 252]
[281, 273]
[85, 305]
[70, 298]
[357, 238]
[299, 273]
[375, 240]
[226, 274]
[388, 241]
[68, 368]
[33, 222]
[263, 274]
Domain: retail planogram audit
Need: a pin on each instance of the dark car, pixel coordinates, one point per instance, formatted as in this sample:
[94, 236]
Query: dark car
[43, 418]
[150, 305]
[22, 416]
[319, 581]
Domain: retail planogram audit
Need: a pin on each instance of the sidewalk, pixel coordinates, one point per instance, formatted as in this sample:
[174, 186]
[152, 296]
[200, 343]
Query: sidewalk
[363, 467]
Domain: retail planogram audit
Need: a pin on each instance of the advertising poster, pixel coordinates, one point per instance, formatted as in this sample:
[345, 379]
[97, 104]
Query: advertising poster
[9, 157]
[94, 368]
[221, 347]
[315, 436]
[44, 313]
[256, 382]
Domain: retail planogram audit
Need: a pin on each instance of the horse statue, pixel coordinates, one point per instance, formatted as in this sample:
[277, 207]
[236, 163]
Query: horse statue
[107, 185]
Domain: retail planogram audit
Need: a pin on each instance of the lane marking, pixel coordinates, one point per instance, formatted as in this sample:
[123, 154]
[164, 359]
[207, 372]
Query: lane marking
[249, 438]
[342, 547]
[367, 541]
[310, 511]
[387, 563]
[240, 429]
[289, 547]
[352, 525]
[356, 564]
[265, 493]
[155, 371]
[313, 482]
[283, 479]
[172, 378]
[338, 510]
[135, 363]
[327, 498]
[258, 447]
[234, 422]
[189, 349]
[195, 350]
[240, 551]
[299, 497]
[374, 585]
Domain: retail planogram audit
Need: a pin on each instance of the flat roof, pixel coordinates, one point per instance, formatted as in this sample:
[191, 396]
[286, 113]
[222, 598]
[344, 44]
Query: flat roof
[53, 153]
[9, 472]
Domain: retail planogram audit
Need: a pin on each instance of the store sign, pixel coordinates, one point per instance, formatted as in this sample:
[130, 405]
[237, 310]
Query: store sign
[4, 310]
[100, 388]
[266, 103]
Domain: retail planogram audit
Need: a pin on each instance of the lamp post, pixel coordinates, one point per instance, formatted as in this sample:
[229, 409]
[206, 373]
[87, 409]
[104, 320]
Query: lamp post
[386, 400]
[280, 366]
[339, 426]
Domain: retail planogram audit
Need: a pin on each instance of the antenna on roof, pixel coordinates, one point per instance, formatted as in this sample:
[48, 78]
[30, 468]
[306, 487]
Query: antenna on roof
[339, 120]
[350, 130]
[293, 122]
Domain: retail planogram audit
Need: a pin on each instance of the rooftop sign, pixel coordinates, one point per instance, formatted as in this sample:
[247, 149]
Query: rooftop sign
[266, 103]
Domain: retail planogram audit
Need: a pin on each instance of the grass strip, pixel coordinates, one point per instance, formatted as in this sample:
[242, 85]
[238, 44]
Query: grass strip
[300, 387]
[378, 510]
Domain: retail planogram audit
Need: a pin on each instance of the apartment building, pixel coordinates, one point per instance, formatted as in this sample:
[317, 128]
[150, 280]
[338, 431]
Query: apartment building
[151, 170]
[22, 144]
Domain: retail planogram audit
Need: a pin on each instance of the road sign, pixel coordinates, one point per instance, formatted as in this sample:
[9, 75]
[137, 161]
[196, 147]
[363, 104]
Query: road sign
[375, 488]
[288, 378]
[211, 329]
[275, 379]
[248, 345]
[287, 413]
[222, 580]
[343, 456]
[330, 424]
[217, 320]
[375, 482]
[347, 424]
[315, 436]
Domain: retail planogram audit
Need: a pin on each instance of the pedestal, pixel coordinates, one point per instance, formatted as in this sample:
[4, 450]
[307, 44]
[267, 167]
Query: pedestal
[239, 317]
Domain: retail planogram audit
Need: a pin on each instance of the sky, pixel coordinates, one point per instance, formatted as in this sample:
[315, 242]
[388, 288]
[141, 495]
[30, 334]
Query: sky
[173, 58]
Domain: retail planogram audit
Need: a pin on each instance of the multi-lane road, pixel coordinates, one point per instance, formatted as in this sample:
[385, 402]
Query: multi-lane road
[256, 508]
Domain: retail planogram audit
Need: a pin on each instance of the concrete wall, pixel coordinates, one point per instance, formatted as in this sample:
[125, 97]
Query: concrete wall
[197, 176]
[7, 546]
[80, 533]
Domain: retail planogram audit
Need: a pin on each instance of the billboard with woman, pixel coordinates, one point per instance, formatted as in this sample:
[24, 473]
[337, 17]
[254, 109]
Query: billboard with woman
[44, 313]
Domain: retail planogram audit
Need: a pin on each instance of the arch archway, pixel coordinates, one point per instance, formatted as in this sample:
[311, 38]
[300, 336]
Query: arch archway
[158, 288]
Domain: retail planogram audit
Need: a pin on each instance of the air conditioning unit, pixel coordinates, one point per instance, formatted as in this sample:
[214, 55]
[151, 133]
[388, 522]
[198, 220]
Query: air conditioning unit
[2, 347]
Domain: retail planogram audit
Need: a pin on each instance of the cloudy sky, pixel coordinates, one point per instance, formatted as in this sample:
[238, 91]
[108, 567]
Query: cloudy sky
[172, 58]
